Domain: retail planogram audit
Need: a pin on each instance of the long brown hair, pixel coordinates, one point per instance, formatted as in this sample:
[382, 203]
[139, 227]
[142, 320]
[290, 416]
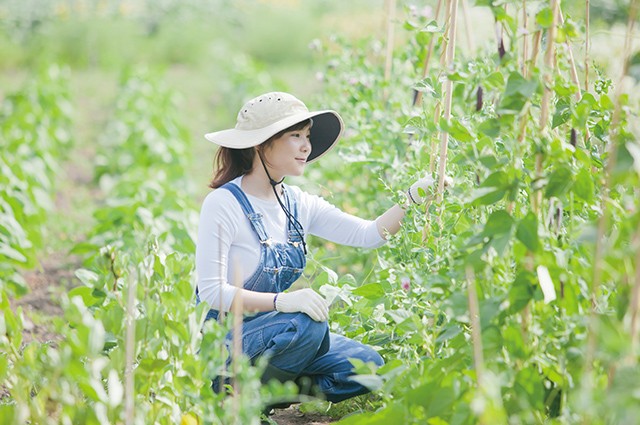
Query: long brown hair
[231, 163]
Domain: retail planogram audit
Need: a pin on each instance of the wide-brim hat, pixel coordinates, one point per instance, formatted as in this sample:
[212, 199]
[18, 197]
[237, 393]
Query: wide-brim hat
[268, 114]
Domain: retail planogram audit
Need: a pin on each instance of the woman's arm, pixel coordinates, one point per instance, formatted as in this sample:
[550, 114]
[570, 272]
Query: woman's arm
[304, 300]
[255, 301]
[389, 221]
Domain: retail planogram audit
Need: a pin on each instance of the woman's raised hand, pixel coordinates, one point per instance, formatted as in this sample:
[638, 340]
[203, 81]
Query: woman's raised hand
[422, 190]
[304, 300]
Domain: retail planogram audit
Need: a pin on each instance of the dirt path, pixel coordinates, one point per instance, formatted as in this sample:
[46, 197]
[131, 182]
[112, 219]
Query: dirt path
[293, 416]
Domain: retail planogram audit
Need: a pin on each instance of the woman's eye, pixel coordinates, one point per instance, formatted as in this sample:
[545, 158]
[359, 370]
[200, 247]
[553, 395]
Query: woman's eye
[295, 134]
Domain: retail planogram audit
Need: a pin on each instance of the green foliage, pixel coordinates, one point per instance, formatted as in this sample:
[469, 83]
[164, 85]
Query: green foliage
[34, 133]
[524, 197]
[143, 241]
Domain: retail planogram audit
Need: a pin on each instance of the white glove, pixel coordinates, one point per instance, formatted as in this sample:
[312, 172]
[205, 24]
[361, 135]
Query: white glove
[425, 186]
[421, 186]
[305, 301]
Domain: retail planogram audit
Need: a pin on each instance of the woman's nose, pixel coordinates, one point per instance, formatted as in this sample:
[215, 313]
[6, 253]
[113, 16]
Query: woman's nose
[306, 147]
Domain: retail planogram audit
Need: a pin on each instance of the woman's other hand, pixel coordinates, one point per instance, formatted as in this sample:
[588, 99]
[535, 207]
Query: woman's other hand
[304, 300]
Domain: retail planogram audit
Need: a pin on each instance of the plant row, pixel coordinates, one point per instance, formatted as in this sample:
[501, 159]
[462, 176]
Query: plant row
[511, 297]
[35, 134]
[131, 347]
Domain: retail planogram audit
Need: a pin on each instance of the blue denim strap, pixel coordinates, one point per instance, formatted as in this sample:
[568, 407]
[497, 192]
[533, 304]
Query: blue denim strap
[292, 206]
[254, 218]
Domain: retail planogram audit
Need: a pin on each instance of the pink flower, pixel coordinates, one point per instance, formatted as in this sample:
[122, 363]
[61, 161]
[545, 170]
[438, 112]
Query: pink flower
[405, 283]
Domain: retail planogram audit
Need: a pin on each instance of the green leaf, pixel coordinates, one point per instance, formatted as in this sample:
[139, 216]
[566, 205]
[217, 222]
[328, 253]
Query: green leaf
[562, 114]
[491, 341]
[9, 253]
[399, 315]
[487, 195]
[583, 186]
[86, 294]
[544, 18]
[494, 80]
[450, 331]
[87, 277]
[370, 291]
[498, 223]
[432, 27]
[559, 182]
[456, 130]
[521, 291]
[518, 92]
[527, 232]
[490, 127]
[372, 382]
[529, 387]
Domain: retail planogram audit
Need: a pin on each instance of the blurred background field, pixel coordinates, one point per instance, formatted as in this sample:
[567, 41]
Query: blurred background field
[215, 54]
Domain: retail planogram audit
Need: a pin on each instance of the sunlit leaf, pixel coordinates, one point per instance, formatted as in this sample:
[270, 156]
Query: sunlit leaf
[527, 232]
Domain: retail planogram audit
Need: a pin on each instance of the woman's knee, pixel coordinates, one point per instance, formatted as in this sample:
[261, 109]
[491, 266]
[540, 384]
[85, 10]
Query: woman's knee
[304, 336]
[368, 355]
[375, 358]
[311, 331]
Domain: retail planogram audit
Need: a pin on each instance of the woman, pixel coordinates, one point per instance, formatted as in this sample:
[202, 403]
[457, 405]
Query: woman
[253, 229]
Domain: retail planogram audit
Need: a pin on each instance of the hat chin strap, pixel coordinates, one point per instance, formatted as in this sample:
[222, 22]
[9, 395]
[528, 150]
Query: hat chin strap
[294, 221]
[272, 181]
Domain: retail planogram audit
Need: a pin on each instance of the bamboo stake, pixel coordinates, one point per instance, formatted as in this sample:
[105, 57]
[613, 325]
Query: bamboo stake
[222, 278]
[130, 349]
[221, 315]
[391, 16]
[237, 339]
[417, 98]
[635, 300]
[546, 94]
[604, 199]
[535, 50]
[525, 26]
[467, 27]
[444, 141]
[443, 61]
[476, 331]
[587, 46]
[573, 70]
[548, 61]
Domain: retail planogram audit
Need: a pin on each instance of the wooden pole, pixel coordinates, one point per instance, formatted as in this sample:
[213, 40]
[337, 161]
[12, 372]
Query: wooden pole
[238, 310]
[476, 331]
[572, 63]
[546, 94]
[465, 16]
[443, 61]
[130, 350]
[587, 46]
[535, 50]
[221, 313]
[548, 73]
[391, 17]
[417, 98]
[448, 89]
[634, 304]
[525, 35]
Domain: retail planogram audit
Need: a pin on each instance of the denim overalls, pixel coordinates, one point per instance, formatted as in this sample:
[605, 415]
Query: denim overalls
[296, 345]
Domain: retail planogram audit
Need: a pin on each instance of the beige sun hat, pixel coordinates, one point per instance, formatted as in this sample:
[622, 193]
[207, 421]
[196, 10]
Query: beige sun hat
[270, 113]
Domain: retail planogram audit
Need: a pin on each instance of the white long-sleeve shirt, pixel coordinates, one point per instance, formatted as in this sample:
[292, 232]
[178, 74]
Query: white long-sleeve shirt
[228, 248]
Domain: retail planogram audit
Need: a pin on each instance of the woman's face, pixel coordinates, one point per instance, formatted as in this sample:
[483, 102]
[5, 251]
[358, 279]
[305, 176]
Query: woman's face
[287, 155]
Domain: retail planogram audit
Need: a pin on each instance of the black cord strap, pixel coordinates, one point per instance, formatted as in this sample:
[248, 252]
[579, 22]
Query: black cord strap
[290, 218]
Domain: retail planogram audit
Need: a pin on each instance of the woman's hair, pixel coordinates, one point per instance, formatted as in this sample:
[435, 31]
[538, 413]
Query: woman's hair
[231, 163]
